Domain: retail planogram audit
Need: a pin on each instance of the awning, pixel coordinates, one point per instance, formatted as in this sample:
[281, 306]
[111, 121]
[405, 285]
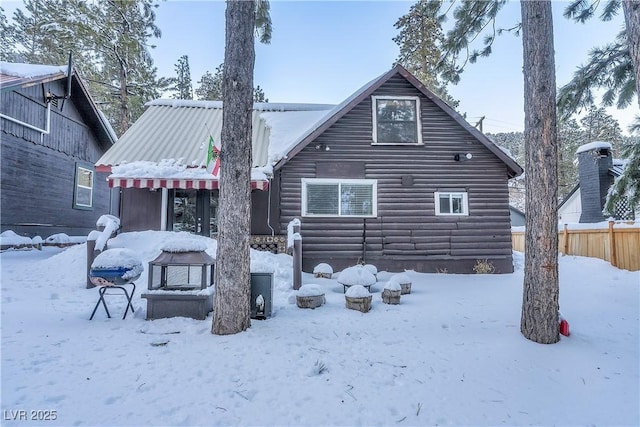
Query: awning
[183, 184]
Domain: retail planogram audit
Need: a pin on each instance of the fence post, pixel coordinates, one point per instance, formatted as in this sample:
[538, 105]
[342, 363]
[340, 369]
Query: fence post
[565, 234]
[91, 255]
[297, 257]
[612, 245]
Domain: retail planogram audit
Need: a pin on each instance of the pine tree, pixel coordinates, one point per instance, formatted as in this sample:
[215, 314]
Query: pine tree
[539, 321]
[210, 88]
[182, 83]
[7, 44]
[615, 68]
[231, 303]
[258, 95]
[570, 137]
[419, 39]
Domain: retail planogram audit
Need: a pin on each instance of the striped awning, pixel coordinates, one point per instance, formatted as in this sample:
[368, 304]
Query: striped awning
[183, 184]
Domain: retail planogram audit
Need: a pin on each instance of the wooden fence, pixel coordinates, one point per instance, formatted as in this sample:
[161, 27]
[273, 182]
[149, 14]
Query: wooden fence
[620, 246]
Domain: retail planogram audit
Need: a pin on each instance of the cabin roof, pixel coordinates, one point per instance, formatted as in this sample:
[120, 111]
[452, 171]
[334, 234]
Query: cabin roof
[368, 89]
[180, 129]
[15, 76]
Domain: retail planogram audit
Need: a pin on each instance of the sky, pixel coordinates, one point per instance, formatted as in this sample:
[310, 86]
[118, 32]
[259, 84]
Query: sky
[451, 353]
[323, 51]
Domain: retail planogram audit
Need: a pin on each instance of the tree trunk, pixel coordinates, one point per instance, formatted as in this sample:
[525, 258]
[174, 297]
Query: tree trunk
[631, 9]
[539, 320]
[231, 313]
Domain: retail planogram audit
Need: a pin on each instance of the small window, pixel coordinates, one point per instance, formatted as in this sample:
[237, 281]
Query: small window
[451, 203]
[332, 197]
[396, 120]
[83, 194]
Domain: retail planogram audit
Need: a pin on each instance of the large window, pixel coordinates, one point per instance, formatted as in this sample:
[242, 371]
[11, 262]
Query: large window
[396, 120]
[453, 203]
[83, 194]
[335, 197]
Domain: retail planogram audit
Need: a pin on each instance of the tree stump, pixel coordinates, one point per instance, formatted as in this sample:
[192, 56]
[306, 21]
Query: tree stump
[310, 296]
[310, 301]
[391, 296]
[406, 288]
[362, 304]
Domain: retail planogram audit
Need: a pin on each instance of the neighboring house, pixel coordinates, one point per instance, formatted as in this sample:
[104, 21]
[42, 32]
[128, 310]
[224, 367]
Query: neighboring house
[49, 146]
[392, 176]
[597, 171]
[517, 216]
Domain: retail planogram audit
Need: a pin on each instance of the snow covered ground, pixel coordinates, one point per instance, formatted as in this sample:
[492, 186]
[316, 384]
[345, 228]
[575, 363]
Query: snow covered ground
[450, 354]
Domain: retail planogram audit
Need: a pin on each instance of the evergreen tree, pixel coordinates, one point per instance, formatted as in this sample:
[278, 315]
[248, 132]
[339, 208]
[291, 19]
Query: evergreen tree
[182, 83]
[539, 321]
[231, 302]
[600, 126]
[7, 44]
[210, 88]
[615, 68]
[570, 137]
[119, 32]
[419, 39]
[258, 95]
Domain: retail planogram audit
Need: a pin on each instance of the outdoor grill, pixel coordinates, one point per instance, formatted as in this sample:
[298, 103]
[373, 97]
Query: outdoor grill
[111, 271]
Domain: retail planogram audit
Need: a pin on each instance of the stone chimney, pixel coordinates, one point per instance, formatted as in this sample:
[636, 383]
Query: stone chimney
[594, 161]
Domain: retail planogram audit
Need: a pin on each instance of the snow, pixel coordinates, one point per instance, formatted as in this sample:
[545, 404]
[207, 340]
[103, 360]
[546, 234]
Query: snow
[450, 354]
[119, 257]
[401, 278]
[595, 145]
[323, 268]
[356, 275]
[185, 244]
[357, 291]
[170, 169]
[590, 225]
[10, 238]
[30, 70]
[310, 290]
[393, 285]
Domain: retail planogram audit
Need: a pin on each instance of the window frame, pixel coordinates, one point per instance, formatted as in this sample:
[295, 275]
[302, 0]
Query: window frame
[339, 182]
[374, 112]
[465, 203]
[77, 186]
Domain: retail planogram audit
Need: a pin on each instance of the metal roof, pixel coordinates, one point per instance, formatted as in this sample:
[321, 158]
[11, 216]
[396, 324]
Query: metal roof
[180, 130]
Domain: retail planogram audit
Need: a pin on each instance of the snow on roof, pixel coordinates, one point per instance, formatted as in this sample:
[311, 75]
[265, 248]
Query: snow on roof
[170, 169]
[595, 145]
[30, 70]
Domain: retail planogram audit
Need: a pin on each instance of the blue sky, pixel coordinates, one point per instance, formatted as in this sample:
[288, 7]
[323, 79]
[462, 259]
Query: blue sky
[323, 51]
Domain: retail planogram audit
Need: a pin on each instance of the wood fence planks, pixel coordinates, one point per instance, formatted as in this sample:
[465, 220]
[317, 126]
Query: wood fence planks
[618, 244]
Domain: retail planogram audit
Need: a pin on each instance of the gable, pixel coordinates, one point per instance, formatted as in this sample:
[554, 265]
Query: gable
[438, 119]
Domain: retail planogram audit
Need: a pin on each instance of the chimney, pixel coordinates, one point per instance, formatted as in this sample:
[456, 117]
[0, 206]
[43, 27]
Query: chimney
[594, 161]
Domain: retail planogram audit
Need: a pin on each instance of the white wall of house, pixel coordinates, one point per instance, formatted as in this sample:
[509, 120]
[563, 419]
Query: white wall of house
[570, 211]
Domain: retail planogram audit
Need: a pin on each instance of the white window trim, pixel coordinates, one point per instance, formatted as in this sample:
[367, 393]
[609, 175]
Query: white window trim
[374, 201]
[76, 204]
[465, 203]
[374, 112]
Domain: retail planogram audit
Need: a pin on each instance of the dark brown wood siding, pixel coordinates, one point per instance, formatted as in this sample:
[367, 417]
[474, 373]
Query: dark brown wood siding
[38, 171]
[406, 232]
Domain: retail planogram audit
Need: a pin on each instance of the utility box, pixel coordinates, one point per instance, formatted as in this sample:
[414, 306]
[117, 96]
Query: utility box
[261, 295]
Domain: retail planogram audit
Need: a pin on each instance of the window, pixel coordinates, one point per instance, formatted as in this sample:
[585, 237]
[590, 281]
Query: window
[451, 203]
[333, 197]
[83, 194]
[396, 120]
